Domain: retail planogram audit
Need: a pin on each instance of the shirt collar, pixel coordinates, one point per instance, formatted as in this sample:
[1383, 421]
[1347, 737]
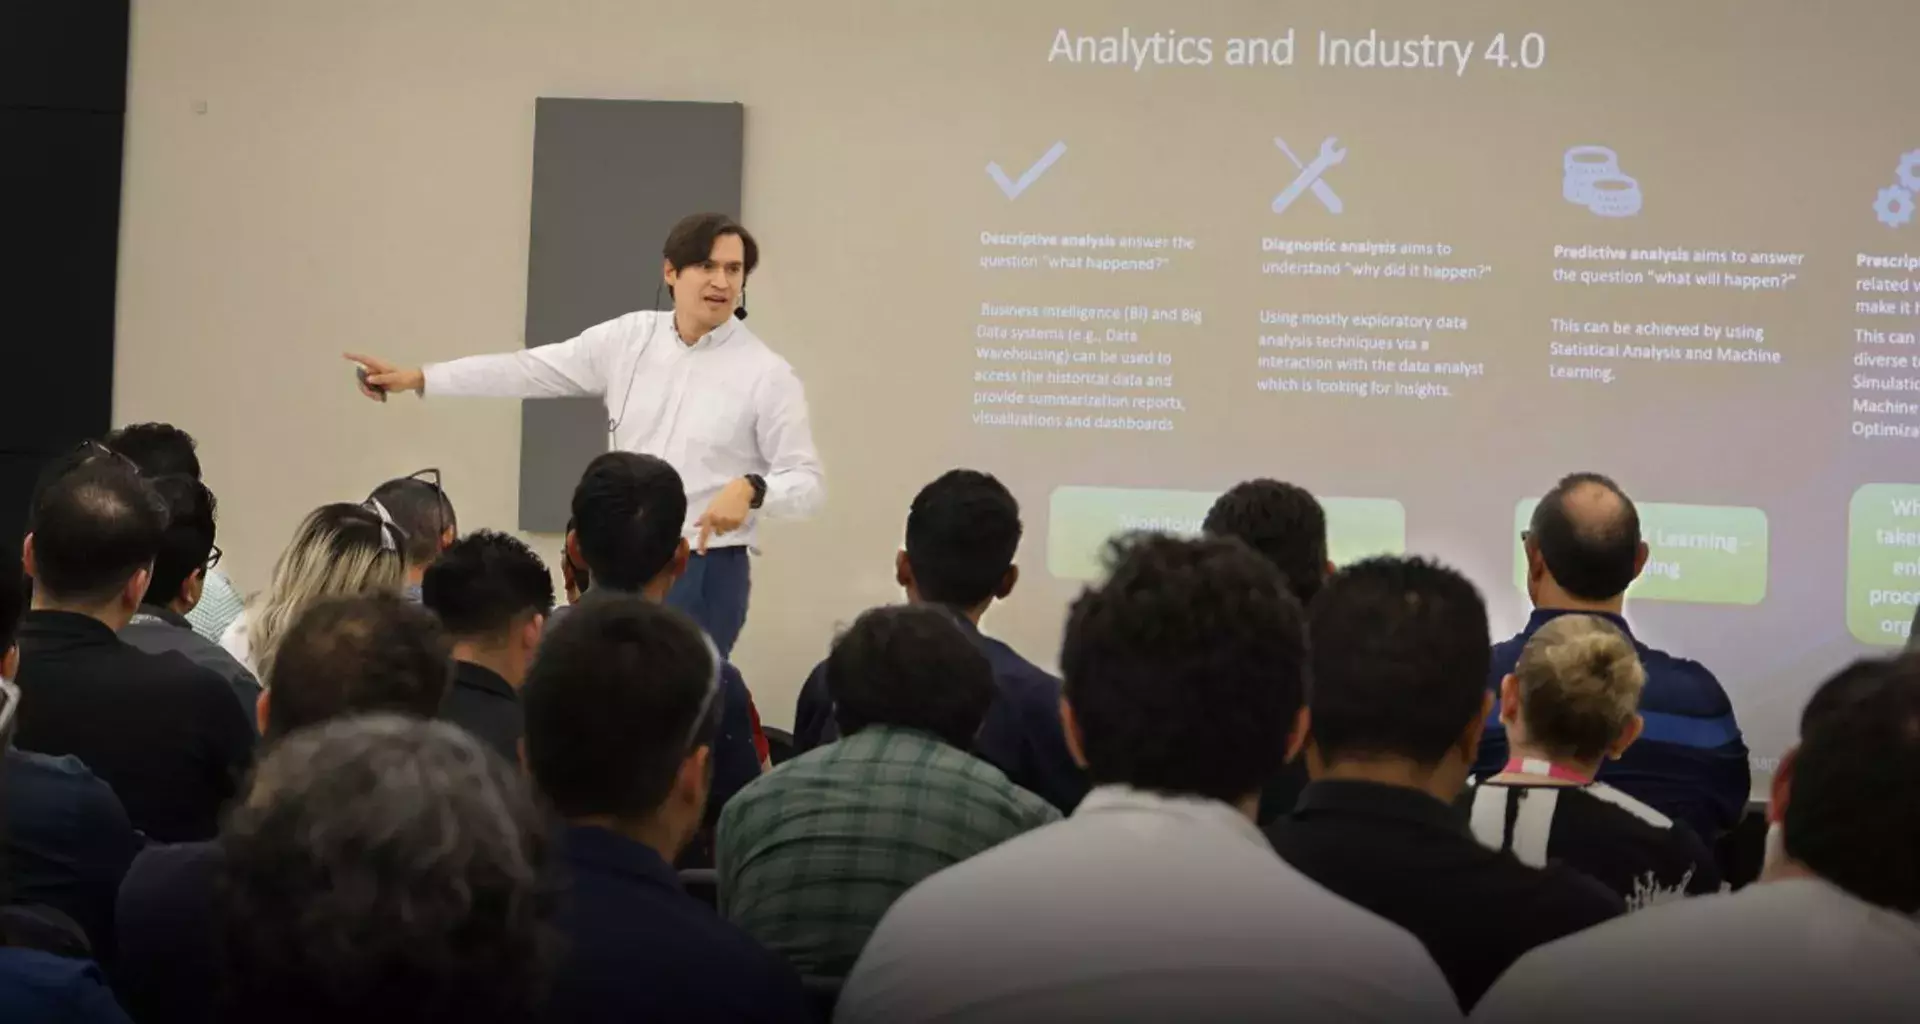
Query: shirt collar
[163, 614]
[480, 677]
[1378, 800]
[1198, 811]
[712, 339]
[587, 845]
[71, 625]
[1542, 616]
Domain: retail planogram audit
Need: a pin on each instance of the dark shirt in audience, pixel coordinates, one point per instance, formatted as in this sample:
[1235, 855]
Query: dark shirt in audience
[165, 733]
[638, 947]
[67, 841]
[40, 987]
[1639, 853]
[1022, 735]
[157, 630]
[1408, 858]
[165, 969]
[1689, 764]
[486, 705]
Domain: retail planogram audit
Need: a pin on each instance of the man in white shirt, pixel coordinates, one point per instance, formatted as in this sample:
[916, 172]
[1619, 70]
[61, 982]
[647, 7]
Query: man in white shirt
[694, 387]
[1828, 933]
[1159, 899]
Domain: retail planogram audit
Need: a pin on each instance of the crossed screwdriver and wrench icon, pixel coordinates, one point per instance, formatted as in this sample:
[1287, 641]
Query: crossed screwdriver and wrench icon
[1310, 177]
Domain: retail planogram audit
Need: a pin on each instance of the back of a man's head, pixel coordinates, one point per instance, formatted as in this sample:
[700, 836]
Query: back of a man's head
[1185, 669]
[1854, 813]
[354, 655]
[383, 868]
[1400, 659]
[910, 667]
[423, 512]
[1588, 534]
[622, 692]
[1284, 523]
[93, 530]
[628, 512]
[159, 449]
[486, 584]
[188, 539]
[962, 533]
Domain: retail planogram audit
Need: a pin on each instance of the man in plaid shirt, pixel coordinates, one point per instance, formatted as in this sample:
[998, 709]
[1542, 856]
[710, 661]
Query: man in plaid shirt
[812, 854]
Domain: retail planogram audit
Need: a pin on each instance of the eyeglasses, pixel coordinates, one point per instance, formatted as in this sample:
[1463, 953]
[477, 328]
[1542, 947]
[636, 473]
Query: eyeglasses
[392, 537]
[213, 557]
[91, 450]
[707, 701]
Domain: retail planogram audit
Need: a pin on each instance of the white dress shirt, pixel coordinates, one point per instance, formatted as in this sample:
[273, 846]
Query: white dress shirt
[1800, 950]
[716, 410]
[1139, 907]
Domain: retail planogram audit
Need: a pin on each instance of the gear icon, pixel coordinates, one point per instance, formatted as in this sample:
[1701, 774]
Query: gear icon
[1909, 171]
[1894, 207]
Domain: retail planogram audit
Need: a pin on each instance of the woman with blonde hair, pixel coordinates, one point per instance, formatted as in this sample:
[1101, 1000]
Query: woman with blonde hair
[1571, 704]
[339, 549]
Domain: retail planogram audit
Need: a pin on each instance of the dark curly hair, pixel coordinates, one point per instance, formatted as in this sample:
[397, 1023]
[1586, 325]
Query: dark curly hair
[383, 868]
[1282, 522]
[910, 667]
[1186, 669]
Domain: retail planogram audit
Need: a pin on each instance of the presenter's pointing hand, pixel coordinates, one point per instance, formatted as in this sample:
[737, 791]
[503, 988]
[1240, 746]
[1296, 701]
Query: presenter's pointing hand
[727, 512]
[383, 378]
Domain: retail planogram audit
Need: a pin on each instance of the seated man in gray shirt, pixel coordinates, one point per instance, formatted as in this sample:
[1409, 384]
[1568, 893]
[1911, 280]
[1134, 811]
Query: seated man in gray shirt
[187, 553]
[1828, 933]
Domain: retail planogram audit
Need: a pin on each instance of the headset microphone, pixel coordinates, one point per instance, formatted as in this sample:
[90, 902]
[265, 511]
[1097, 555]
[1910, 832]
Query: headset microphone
[742, 311]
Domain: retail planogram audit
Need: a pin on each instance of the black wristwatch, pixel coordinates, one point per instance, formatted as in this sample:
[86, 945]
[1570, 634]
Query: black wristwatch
[759, 489]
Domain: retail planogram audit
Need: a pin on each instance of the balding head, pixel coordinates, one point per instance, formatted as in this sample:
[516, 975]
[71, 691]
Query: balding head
[1585, 536]
[93, 535]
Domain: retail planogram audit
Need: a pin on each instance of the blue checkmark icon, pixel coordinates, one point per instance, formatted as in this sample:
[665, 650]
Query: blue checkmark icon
[1013, 188]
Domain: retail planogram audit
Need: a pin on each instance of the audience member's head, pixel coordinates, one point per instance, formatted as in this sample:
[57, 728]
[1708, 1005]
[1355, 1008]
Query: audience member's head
[356, 654]
[573, 572]
[962, 533]
[158, 449]
[910, 667]
[622, 707]
[1573, 699]
[180, 567]
[1185, 670]
[339, 549]
[1583, 545]
[424, 513]
[628, 512]
[92, 538]
[1846, 801]
[1400, 658]
[383, 869]
[494, 595]
[13, 605]
[1284, 523]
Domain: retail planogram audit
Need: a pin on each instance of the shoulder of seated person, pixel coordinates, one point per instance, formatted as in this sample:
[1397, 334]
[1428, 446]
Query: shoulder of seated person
[55, 764]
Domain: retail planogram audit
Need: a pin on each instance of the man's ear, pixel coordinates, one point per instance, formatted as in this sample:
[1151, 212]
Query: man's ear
[1640, 556]
[1509, 699]
[532, 631]
[1297, 736]
[135, 591]
[1627, 738]
[1781, 790]
[695, 780]
[1007, 582]
[447, 537]
[1332, 569]
[1536, 562]
[668, 274]
[192, 587]
[573, 548]
[903, 571]
[678, 567]
[260, 712]
[1071, 729]
[26, 556]
[10, 662]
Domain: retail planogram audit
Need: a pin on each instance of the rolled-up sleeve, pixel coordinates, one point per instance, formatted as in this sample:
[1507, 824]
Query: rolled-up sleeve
[577, 367]
[796, 482]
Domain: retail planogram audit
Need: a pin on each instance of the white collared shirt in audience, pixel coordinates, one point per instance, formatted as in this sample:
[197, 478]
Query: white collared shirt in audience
[1801, 950]
[1139, 907]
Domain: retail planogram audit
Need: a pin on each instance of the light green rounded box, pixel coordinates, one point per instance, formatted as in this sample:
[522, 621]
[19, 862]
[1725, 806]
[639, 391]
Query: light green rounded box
[1080, 521]
[1883, 562]
[1701, 554]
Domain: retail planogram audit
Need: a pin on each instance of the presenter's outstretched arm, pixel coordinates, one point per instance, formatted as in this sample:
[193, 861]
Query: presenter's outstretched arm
[384, 378]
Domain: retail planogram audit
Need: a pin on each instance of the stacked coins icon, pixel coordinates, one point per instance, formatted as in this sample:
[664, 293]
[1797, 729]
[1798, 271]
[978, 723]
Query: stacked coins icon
[1592, 179]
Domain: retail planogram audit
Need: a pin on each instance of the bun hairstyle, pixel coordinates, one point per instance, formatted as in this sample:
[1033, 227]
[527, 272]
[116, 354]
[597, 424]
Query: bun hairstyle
[1579, 682]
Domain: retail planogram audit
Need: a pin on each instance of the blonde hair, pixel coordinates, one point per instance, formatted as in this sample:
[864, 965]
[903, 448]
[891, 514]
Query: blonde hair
[1578, 685]
[339, 549]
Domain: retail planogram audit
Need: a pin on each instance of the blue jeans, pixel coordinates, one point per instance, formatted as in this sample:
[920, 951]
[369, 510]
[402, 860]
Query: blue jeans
[714, 592]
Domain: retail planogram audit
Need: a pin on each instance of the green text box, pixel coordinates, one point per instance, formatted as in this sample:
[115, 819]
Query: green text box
[1081, 520]
[1883, 562]
[1702, 554]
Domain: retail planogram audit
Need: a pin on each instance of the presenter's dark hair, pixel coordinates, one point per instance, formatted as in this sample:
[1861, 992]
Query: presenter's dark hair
[1282, 522]
[1186, 668]
[962, 533]
[691, 240]
[159, 449]
[910, 667]
[93, 529]
[628, 511]
[1400, 658]
[487, 583]
[188, 539]
[1591, 556]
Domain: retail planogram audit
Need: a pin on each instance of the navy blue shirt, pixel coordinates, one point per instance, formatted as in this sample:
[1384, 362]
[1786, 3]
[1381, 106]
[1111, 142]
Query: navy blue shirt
[37, 986]
[67, 840]
[166, 970]
[638, 947]
[1690, 764]
[1022, 735]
